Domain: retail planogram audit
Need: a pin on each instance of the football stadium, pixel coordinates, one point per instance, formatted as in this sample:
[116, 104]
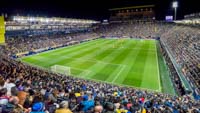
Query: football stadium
[70, 60]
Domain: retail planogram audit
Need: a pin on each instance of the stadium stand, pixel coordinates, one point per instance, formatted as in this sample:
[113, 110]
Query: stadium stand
[24, 88]
[184, 45]
[23, 44]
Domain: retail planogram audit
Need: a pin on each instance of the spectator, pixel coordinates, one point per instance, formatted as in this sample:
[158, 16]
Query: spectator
[2, 82]
[3, 96]
[38, 107]
[98, 109]
[63, 108]
[9, 84]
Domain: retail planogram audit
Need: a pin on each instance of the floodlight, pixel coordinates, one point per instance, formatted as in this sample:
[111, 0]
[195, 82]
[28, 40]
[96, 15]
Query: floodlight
[47, 20]
[175, 4]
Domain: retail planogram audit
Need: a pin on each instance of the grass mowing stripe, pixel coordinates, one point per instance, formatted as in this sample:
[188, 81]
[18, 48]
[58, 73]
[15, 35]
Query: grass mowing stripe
[110, 59]
[158, 73]
[135, 78]
[103, 75]
[100, 57]
[139, 66]
[122, 68]
[150, 72]
[103, 69]
[120, 59]
[127, 62]
[143, 66]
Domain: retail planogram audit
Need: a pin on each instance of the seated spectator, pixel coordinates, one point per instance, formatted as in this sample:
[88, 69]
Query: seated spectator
[87, 103]
[53, 96]
[3, 97]
[109, 108]
[63, 108]
[22, 97]
[14, 91]
[2, 82]
[98, 109]
[12, 106]
[38, 107]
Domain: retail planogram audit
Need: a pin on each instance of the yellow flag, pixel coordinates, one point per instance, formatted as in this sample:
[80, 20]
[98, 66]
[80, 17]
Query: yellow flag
[2, 30]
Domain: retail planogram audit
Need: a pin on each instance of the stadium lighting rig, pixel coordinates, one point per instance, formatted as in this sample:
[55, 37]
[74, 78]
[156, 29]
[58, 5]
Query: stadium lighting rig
[53, 20]
[175, 6]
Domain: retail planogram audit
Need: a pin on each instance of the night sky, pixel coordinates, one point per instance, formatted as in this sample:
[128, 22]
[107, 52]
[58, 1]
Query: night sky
[91, 9]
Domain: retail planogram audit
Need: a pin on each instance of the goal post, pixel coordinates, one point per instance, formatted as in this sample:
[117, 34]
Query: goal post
[61, 69]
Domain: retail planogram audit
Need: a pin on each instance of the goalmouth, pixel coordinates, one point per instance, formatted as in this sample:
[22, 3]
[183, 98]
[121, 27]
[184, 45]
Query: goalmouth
[66, 70]
[61, 69]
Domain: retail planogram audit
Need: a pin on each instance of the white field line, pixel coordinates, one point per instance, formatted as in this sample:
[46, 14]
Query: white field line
[122, 68]
[158, 68]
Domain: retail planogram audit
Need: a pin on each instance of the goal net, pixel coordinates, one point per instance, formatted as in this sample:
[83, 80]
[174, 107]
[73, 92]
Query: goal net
[61, 69]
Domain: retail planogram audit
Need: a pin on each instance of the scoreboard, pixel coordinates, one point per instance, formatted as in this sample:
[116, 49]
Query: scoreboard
[2, 30]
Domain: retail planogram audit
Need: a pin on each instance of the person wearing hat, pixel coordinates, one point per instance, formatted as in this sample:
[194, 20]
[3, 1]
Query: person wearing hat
[63, 108]
[38, 108]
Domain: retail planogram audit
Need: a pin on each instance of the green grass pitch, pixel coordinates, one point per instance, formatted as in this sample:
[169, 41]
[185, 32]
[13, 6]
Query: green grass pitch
[128, 62]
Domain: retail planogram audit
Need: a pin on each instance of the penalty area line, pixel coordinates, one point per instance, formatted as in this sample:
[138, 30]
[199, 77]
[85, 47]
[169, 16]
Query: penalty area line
[122, 68]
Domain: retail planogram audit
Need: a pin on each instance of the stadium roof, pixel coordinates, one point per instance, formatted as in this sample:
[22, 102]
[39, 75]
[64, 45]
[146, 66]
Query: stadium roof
[132, 7]
[53, 20]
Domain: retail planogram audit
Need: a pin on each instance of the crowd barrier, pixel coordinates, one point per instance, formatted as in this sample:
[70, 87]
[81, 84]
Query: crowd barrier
[186, 83]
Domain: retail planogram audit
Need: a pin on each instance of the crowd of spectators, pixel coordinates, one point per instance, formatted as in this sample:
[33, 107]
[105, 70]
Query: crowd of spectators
[141, 30]
[20, 44]
[25, 89]
[178, 85]
[184, 43]
[29, 89]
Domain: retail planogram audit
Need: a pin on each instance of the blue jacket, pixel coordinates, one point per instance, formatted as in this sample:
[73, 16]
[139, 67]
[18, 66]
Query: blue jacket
[87, 105]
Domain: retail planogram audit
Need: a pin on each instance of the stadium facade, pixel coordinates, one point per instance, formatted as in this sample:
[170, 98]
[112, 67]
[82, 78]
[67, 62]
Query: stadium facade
[145, 12]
